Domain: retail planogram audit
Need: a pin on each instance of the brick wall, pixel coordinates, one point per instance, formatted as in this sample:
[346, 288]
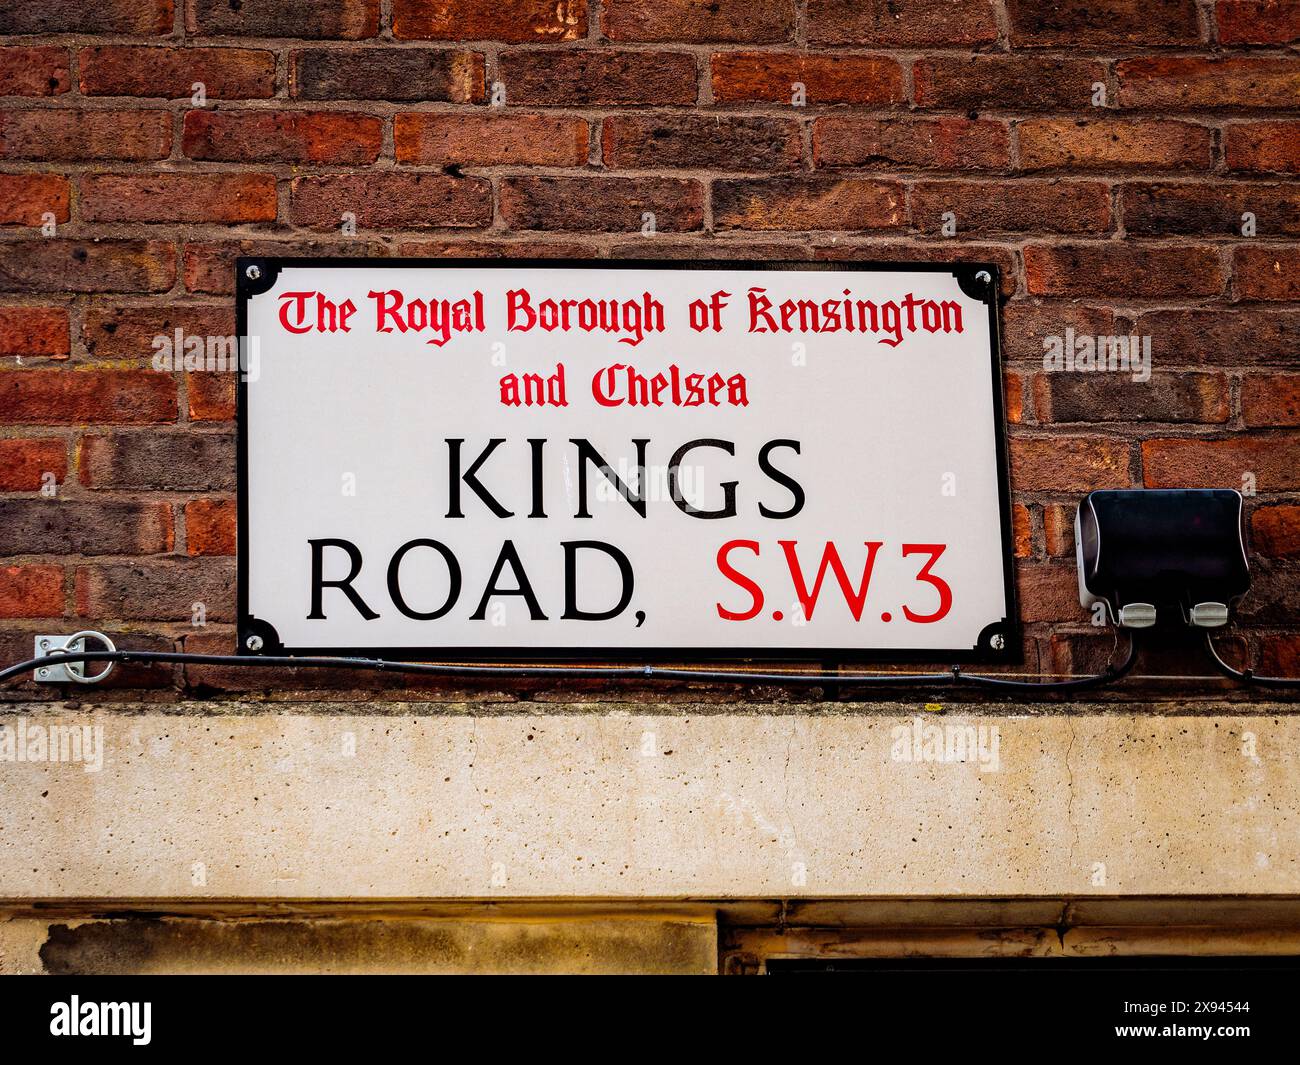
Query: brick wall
[1103, 152]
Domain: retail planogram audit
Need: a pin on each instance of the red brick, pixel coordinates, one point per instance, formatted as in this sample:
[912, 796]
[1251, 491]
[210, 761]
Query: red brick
[836, 249]
[1026, 323]
[1048, 591]
[140, 17]
[1165, 208]
[86, 266]
[592, 78]
[1022, 533]
[697, 21]
[387, 199]
[25, 199]
[1069, 463]
[1013, 206]
[1058, 529]
[165, 460]
[925, 143]
[1132, 269]
[1013, 396]
[1084, 23]
[1263, 147]
[210, 527]
[1273, 458]
[178, 198]
[68, 397]
[40, 332]
[1275, 531]
[98, 527]
[171, 73]
[1270, 399]
[808, 203]
[1195, 82]
[1005, 82]
[537, 247]
[31, 592]
[130, 332]
[1267, 272]
[24, 463]
[211, 396]
[1115, 397]
[736, 247]
[317, 19]
[1222, 336]
[894, 23]
[67, 134]
[1112, 144]
[387, 73]
[40, 71]
[868, 80]
[520, 21]
[706, 141]
[601, 204]
[210, 265]
[1258, 21]
[490, 139]
[157, 590]
[283, 137]
[1279, 656]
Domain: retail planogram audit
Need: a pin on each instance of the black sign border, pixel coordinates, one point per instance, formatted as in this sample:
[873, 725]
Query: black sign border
[1000, 642]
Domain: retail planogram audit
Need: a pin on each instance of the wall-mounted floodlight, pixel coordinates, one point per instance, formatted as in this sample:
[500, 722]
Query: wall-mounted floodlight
[1146, 552]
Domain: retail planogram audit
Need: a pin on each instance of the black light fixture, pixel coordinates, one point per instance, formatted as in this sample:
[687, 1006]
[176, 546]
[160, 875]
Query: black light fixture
[1145, 553]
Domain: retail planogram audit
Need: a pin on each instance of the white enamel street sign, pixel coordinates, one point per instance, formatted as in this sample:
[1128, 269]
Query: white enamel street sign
[611, 460]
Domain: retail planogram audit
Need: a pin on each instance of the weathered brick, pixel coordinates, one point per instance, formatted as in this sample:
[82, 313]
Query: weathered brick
[131, 332]
[1221, 336]
[283, 136]
[1267, 272]
[41, 332]
[1084, 23]
[1132, 269]
[68, 134]
[210, 526]
[1013, 396]
[86, 266]
[696, 21]
[211, 396]
[1005, 82]
[141, 17]
[591, 78]
[601, 204]
[1026, 324]
[1279, 655]
[789, 77]
[1270, 399]
[38, 71]
[518, 21]
[1022, 532]
[1275, 531]
[899, 23]
[157, 590]
[178, 197]
[99, 527]
[539, 246]
[31, 591]
[742, 248]
[1058, 529]
[1048, 591]
[68, 397]
[490, 140]
[1263, 147]
[26, 199]
[1114, 396]
[1069, 463]
[386, 73]
[924, 143]
[315, 19]
[1112, 144]
[710, 142]
[171, 73]
[1195, 82]
[24, 463]
[1273, 459]
[808, 203]
[170, 460]
[387, 199]
[1013, 206]
[836, 249]
[210, 264]
[1258, 21]
[1165, 208]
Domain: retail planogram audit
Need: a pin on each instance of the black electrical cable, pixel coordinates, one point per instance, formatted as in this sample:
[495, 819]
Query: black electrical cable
[647, 672]
[1247, 676]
